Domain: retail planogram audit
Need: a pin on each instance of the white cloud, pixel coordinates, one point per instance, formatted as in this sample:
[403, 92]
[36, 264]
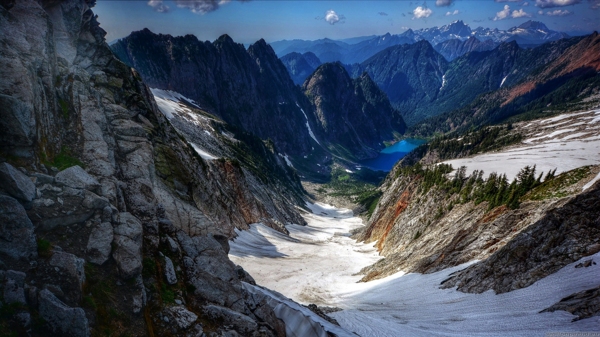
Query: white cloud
[421, 13]
[332, 17]
[158, 6]
[520, 14]
[525, 4]
[507, 0]
[506, 14]
[559, 12]
[443, 3]
[594, 4]
[555, 3]
[452, 13]
[503, 14]
[198, 6]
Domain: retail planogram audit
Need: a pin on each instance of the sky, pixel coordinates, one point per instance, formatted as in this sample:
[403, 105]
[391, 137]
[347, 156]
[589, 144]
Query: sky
[250, 20]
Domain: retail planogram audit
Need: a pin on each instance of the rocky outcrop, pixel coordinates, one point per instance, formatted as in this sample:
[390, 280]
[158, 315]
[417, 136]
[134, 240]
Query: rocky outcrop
[421, 226]
[583, 304]
[63, 319]
[560, 237]
[115, 183]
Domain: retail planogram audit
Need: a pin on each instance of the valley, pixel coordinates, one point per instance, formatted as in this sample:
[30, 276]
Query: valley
[440, 181]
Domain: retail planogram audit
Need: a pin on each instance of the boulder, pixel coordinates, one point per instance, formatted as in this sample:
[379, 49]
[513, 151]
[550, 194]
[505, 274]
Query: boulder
[128, 245]
[98, 246]
[17, 238]
[69, 264]
[180, 316]
[170, 274]
[76, 177]
[15, 183]
[62, 319]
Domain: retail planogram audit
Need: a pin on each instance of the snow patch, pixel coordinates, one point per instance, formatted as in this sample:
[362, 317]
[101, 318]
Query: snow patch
[310, 132]
[591, 182]
[504, 79]
[443, 82]
[203, 153]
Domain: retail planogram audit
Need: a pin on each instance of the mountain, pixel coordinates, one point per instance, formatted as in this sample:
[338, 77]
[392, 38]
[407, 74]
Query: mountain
[355, 114]
[300, 66]
[411, 76]
[421, 83]
[116, 201]
[357, 50]
[507, 206]
[454, 48]
[549, 79]
[266, 100]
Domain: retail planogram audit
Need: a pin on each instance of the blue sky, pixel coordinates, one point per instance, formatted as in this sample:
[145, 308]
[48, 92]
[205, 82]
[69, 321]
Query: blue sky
[248, 21]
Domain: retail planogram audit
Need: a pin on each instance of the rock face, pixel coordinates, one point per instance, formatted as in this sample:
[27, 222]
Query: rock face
[212, 73]
[355, 115]
[562, 236]
[63, 319]
[17, 237]
[112, 180]
[300, 66]
[454, 48]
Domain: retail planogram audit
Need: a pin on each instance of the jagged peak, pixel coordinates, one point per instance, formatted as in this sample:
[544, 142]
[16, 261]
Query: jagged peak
[225, 39]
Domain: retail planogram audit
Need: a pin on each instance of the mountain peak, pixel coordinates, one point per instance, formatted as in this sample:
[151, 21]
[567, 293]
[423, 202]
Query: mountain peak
[225, 39]
[535, 25]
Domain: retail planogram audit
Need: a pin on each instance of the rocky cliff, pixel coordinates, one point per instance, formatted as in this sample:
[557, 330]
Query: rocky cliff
[355, 115]
[521, 230]
[250, 89]
[111, 220]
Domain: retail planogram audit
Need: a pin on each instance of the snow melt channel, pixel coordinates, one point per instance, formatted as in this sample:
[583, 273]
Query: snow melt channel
[310, 132]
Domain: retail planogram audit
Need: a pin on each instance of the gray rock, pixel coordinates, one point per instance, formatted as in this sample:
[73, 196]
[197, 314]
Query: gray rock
[94, 201]
[16, 183]
[173, 246]
[70, 265]
[42, 179]
[170, 274]
[180, 316]
[24, 319]
[17, 238]
[241, 323]
[128, 242]
[98, 247]
[62, 319]
[76, 177]
[13, 287]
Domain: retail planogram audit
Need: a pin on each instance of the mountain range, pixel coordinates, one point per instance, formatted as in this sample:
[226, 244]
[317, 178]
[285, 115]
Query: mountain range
[127, 171]
[267, 103]
[528, 34]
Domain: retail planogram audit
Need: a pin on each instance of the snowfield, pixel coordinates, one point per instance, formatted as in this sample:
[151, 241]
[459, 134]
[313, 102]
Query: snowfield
[564, 142]
[317, 263]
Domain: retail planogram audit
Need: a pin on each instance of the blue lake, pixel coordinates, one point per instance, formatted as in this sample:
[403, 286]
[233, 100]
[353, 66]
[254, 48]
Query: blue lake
[389, 156]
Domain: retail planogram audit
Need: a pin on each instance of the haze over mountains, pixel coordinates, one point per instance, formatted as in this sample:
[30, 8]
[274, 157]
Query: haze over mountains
[528, 34]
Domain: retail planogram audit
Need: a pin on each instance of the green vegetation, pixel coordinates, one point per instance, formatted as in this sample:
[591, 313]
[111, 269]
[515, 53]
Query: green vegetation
[359, 187]
[44, 247]
[63, 160]
[64, 107]
[167, 295]
[496, 189]
[557, 187]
